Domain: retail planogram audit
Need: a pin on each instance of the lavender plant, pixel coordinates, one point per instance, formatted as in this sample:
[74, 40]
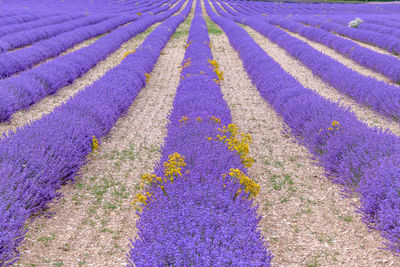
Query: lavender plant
[197, 208]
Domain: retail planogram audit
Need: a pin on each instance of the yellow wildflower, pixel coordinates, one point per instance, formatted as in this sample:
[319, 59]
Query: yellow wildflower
[249, 185]
[184, 119]
[335, 123]
[127, 53]
[148, 76]
[240, 145]
[172, 168]
[95, 144]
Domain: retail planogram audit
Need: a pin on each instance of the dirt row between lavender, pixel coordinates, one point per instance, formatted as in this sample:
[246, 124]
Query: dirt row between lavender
[305, 220]
[95, 218]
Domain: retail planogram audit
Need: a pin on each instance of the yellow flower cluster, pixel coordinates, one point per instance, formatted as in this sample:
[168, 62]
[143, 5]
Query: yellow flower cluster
[249, 185]
[214, 63]
[209, 44]
[188, 44]
[335, 126]
[148, 76]
[95, 144]
[129, 52]
[139, 13]
[142, 198]
[184, 120]
[219, 73]
[150, 178]
[185, 64]
[240, 145]
[172, 168]
[199, 119]
[215, 119]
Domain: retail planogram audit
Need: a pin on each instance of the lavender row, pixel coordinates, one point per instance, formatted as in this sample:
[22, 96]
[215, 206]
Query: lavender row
[66, 7]
[23, 38]
[384, 64]
[350, 151]
[21, 91]
[21, 18]
[196, 219]
[279, 9]
[16, 61]
[391, 44]
[377, 95]
[387, 21]
[29, 36]
[367, 26]
[37, 23]
[34, 162]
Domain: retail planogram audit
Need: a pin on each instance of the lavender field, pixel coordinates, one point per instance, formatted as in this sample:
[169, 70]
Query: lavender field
[199, 133]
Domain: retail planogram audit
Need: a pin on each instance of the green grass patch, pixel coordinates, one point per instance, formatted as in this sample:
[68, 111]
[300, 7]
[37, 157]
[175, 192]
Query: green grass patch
[212, 27]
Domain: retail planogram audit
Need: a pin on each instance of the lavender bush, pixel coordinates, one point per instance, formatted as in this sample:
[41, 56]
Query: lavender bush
[198, 220]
